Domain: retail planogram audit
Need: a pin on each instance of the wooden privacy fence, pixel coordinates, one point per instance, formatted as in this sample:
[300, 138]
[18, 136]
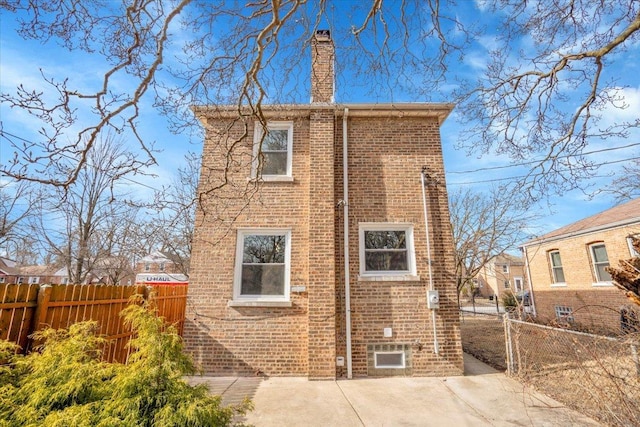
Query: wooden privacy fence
[25, 309]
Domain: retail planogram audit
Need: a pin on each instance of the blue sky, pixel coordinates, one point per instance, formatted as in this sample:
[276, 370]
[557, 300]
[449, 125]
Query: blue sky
[21, 61]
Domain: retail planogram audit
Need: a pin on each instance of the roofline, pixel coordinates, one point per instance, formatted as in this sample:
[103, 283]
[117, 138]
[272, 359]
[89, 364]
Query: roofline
[410, 109]
[589, 230]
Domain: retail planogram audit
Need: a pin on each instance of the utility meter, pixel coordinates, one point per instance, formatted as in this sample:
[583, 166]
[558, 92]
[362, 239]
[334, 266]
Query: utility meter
[433, 299]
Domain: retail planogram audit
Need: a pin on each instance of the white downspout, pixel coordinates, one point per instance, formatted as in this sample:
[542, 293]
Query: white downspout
[345, 207]
[426, 230]
[527, 267]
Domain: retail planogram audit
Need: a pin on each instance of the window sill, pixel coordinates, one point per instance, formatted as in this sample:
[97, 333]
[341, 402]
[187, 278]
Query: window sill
[602, 285]
[272, 178]
[389, 278]
[254, 303]
[558, 285]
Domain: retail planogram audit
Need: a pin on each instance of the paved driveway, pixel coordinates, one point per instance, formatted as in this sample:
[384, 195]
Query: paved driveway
[483, 397]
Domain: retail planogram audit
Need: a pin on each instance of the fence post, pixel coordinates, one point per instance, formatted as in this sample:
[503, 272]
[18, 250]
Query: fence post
[39, 314]
[509, 347]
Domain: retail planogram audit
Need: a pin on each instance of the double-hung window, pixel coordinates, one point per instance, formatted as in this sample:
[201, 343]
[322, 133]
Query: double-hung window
[556, 267]
[263, 258]
[273, 151]
[386, 249]
[632, 250]
[600, 261]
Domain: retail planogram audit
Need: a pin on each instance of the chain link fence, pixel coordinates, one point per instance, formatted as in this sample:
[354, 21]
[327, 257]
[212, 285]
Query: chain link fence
[596, 375]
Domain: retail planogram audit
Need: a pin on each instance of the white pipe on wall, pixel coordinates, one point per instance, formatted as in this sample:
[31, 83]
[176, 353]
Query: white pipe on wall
[431, 287]
[345, 207]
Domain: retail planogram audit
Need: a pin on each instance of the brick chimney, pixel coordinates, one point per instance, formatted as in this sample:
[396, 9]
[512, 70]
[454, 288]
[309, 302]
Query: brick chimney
[322, 68]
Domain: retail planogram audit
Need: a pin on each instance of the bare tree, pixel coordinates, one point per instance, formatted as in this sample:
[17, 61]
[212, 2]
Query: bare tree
[85, 226]
[539, 98]
[174, 222]
[485, 225]
[17, 200]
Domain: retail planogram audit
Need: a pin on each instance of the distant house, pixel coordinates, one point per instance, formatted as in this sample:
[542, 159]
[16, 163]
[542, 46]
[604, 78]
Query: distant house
[9, 271]
[157, 268]
[342, 263]
[567, 269]
[503, 273]
[37, 274]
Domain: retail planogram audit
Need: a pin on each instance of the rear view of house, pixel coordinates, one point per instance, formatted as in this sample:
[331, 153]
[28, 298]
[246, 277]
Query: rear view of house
[568, 269]
[324, 265]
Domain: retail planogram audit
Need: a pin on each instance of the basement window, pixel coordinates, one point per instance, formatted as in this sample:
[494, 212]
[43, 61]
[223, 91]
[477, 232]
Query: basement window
[564, 313]
[389, 360]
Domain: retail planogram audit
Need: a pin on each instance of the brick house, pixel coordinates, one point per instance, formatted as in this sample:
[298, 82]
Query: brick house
[567, 269]
[503, 273]
[283, 290]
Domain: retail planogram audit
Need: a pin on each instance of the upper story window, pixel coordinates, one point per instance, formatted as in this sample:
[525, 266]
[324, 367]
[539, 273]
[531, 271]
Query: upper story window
[147, 266]
[263, 260]
[556, 267]
[162, 266]
[505, 268]
[600, 260]
[273, 158]
[386, 249]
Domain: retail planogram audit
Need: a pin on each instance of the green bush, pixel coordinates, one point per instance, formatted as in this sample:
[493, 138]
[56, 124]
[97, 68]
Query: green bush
[65, 383]
[509, 301]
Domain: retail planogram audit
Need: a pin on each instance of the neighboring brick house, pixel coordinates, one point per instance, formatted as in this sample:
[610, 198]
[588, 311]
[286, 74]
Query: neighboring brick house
[503, 273]
[9, 271]
[567, 268]
[268, 292]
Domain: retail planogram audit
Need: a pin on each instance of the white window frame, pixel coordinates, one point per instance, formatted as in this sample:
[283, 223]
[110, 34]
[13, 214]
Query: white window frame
[238, 298]
[564, 313]
[518, 284]
[554, 278]
[2, 279]
[410, 273]
[162, 266]
[595, 264]
[632, 251]
[257, 139]
[505, 268]
[34, 280]
[375, 360]
[20, 280]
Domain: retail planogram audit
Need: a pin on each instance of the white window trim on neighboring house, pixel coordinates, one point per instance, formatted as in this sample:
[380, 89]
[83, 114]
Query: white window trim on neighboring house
[564, 313]
[554, 268]
[632, 251]
[595, 264]
[257, 139]
[410, 274]
[34, 280]
[240, 300]
[518, 284]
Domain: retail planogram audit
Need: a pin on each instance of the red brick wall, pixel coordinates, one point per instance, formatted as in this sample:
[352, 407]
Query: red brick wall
[247, 340]
[386, 156]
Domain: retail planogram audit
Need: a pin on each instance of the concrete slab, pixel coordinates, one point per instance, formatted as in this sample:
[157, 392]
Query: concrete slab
[483, 397]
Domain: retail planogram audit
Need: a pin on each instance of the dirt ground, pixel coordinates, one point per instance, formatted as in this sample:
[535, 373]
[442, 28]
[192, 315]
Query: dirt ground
[483, 337]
